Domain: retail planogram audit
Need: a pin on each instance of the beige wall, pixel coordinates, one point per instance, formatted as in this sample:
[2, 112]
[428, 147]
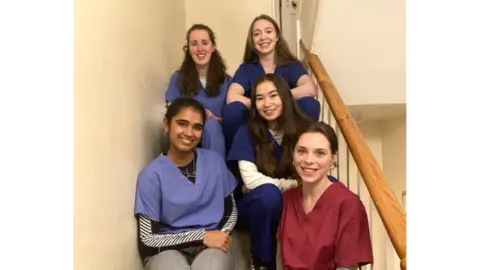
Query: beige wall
[229, 19]
[124, 53]
[394, 146]
[362, 45]
[372, 134]
[307, 19]
[387, 141]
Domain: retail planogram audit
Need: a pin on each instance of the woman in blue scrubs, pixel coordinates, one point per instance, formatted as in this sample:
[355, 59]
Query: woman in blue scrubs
[184, 205]
[266, 52]
[203, 76]
[261, 153]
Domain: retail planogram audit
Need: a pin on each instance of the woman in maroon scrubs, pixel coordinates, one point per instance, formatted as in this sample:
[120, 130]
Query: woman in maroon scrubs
[324, 226]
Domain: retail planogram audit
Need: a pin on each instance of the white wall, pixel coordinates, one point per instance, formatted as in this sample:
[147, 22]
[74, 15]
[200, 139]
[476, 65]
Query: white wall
[307, 19]
[394, 146]
[387, 141]
[362, 46]
[289, 24]
[124, 54]
[372, 135]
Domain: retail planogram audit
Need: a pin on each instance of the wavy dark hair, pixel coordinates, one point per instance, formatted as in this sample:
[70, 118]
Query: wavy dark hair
[283, 55]
[188, 78]
[291, 121]
[182, 103]
[326, 130]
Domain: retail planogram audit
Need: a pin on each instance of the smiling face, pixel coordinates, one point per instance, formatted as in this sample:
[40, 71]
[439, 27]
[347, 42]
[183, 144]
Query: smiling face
[313, 157]
[267, 101]
[264, 37]
[184, 129]
[200, 47]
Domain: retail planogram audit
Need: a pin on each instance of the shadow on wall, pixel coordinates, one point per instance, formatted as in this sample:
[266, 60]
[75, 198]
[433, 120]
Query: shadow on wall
[162, 142]
[154, 133]
[155, 140]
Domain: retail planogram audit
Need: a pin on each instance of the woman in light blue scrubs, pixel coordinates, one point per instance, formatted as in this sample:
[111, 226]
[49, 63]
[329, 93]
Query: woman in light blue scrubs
[203, 76]
[184, 205]
[266, 52]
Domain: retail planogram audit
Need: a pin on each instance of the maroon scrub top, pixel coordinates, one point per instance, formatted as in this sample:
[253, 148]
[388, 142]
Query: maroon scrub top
[334, 234]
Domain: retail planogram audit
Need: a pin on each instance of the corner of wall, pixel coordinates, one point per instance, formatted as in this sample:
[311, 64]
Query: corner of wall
[372, 134]
[124, 55]
[394, 147]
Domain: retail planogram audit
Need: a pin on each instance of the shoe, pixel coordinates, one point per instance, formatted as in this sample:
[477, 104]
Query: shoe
[259, 267]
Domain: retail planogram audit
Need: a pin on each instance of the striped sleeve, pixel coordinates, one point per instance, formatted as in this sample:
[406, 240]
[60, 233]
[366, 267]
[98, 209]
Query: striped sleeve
[156, 240]
[231, 213]
[151, 241]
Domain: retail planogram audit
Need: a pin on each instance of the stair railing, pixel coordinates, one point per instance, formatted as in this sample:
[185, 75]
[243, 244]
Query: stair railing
[389, 208]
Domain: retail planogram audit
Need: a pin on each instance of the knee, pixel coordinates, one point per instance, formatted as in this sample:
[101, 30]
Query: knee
[212, 127]
[213, 259]
[269, 198]
[310, 106]
[308, 100]
[167, 259]
[234, 112]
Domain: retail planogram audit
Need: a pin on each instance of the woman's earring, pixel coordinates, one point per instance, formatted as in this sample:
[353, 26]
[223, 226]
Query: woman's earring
[293, 163]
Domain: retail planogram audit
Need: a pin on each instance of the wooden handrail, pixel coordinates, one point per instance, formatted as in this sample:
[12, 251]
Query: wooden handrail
[391, 213]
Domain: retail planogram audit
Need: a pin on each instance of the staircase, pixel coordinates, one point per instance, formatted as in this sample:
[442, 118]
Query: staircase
[357, 168]
[124, 55]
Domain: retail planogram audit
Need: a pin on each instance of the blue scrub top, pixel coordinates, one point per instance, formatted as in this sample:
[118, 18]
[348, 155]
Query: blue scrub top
[248, 73]
[214, 104]
[166, 196]
[243, 147]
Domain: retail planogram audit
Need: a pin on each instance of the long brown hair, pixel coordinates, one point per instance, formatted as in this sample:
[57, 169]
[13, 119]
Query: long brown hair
[283, 55]
[188, 78]
[291, 121]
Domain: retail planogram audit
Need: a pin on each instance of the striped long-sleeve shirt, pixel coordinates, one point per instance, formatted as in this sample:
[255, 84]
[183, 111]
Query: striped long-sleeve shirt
[152, 242]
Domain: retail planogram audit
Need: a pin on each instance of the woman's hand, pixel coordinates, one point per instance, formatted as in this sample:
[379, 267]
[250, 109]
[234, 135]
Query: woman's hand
[212, 116]
[218, 239]
[209, 113]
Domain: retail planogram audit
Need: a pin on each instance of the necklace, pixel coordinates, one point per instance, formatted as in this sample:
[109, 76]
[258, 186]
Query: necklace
[191, 173]
[189, 170]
